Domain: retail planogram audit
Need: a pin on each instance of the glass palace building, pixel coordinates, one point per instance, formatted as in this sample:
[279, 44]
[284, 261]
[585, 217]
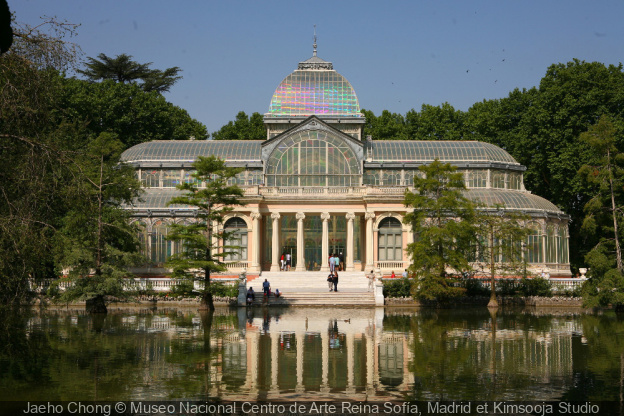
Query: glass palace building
[315, 186]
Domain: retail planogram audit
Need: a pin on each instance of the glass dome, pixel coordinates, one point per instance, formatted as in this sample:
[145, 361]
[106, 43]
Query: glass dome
[314, 92]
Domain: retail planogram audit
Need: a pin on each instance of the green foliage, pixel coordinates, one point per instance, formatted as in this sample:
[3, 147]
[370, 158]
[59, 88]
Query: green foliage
[536, 286]
[474, 287]
[183, 288]
[243, 128]
[199, 255]
[223, 290]
[397, 288]
[443, 223]
[134, 115]
[123, 69]
[96, 243]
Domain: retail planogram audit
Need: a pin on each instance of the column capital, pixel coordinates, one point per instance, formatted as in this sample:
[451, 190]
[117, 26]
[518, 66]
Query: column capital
[300, 216]
[255, 215]
[369, 215]
[350, 216]
[325, 216]
[275, 215]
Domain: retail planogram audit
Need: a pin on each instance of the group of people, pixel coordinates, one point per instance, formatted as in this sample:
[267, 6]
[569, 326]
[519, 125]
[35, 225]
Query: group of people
[266, 289]
[336, 262]
[285, 261]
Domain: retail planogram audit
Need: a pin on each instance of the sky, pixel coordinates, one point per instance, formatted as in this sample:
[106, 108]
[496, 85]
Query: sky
[397, 55]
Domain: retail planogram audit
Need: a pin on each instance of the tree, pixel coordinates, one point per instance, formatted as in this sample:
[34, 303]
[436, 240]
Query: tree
[213, 199]
[606, 176]
[603, 216]
[32, 174]
[243, 128]
[134, 115]
[96, 243]
[502, 235]
[123, 69]
[443, 224]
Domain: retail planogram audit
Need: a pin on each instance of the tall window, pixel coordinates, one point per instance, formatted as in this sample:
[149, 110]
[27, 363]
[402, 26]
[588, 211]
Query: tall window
[498, 179]
[313, 158]
[161, 247]
[237, 230]
[534, 245]
[171, 178]
[392, 177]
[476, 179]
[150, 178]
[515, 180]
[551, 244]
[562, 251]
[390, 240]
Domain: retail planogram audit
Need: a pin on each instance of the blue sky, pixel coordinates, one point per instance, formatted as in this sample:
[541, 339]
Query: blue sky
[397, 55]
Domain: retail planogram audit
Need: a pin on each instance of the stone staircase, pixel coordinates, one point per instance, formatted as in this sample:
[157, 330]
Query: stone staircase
[310, 288]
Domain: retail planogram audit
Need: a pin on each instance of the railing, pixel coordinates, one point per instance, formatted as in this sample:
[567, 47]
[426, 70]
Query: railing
[558, 284]
[238, 264]
[156, 284]
[391, 265]
[347, 191]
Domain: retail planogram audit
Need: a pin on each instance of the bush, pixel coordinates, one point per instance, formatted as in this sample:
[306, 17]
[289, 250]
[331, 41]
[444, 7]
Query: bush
[183, 288]
[536, 286]
[223, 291]
[397, 288]
[475, 287]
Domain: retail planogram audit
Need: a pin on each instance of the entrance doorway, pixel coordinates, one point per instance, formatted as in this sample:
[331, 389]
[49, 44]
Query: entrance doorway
[290, 247]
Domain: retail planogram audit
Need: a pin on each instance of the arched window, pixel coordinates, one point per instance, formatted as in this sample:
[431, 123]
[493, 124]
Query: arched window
[390, 246]
[313, 158]
[236, 230]
[392, 177]
[161, 247]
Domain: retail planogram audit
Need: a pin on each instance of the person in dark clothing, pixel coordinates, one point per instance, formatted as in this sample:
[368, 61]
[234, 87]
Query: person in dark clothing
[335, 281]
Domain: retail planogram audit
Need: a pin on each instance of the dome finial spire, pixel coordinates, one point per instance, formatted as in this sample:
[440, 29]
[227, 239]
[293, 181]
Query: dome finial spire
[314, 45]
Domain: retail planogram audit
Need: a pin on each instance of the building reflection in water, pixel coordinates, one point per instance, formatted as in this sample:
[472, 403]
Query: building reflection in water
[310, 353]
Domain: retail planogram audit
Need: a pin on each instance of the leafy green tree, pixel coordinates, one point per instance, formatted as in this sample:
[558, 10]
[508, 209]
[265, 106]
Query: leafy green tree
[134, 115]
[32, 174]
[96, 243]
[603, 217]
[388, 126]
[606, 176]
[435, 123]
[243, 128]
[213, 199]
[500, 245]
[443, 224]
[124, 70]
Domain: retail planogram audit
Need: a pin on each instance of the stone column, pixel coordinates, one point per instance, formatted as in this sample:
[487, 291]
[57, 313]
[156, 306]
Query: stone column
[300, 243]
[350, 362]
[370, 216]
[275, 253]
[300, 345]
[255, 256]
[350, 247]
[274, 360]
[325, 242]
[325, 362]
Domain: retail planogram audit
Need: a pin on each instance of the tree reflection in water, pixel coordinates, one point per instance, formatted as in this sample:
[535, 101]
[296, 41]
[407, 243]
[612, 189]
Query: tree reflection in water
[272, 353]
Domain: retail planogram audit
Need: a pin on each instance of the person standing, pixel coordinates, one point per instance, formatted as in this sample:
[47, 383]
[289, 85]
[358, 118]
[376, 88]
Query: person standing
[337, 262]
[341, 258]
[283, 261]
[332, 263]
[330, 281]
[288, 259]
[266, 288]
[335, 281]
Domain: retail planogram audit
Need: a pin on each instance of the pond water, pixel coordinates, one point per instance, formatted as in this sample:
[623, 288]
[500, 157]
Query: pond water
[312, 353]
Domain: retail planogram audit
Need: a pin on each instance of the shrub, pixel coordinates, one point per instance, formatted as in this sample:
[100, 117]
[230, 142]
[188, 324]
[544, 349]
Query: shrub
[397, 288]
[475, 287]
[223, 291]
[182, 288]
[536, 286]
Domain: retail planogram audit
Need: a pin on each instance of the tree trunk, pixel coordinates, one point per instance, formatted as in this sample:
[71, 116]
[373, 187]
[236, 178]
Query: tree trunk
[618, 252]
[96, 305]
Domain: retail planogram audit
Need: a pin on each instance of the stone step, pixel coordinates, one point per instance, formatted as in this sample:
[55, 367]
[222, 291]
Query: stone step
[333, 298]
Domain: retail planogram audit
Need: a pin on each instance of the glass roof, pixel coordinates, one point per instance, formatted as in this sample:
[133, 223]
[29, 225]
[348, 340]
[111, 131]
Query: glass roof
[188, 150]
[446, 151]
[314, 92]
[515, 200]
[157, 198]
